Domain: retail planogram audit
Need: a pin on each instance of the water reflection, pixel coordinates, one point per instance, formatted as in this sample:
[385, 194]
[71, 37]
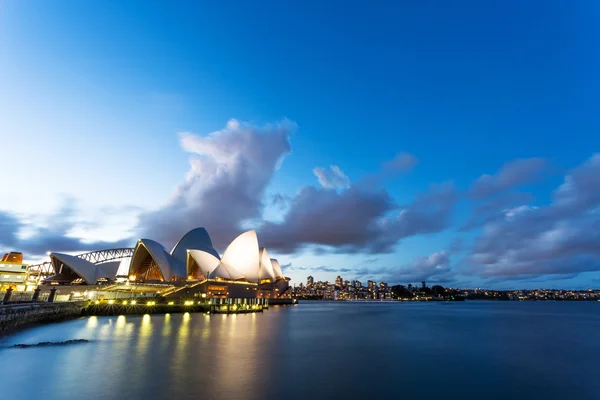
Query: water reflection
[92, 322]
[316, 351]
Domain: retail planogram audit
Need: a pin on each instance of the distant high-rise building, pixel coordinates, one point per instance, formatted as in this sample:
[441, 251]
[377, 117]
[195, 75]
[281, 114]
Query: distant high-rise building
[371, 284]
[423, 285]
[357, 283]
[339, 282]
[310, 280]
[383, 285]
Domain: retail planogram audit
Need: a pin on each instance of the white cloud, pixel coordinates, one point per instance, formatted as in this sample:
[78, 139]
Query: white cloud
[334, 178]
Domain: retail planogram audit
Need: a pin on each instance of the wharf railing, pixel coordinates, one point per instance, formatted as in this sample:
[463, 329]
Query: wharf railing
[10, 296]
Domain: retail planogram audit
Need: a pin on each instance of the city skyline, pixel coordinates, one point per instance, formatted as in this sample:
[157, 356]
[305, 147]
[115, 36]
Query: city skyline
[449, 144]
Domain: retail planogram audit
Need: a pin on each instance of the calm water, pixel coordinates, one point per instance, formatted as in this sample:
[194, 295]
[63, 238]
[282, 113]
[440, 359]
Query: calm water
[317, 350]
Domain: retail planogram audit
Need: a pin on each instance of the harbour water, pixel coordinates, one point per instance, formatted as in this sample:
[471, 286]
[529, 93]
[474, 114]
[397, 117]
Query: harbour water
[317, 350]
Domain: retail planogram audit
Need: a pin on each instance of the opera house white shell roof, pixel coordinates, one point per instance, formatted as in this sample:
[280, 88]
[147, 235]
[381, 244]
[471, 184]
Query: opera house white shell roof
[266, 267]
[277, 268]
[89, 272]
[194, 257]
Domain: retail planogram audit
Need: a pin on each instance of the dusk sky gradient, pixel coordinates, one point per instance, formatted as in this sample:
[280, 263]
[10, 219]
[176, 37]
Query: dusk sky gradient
[453, 142]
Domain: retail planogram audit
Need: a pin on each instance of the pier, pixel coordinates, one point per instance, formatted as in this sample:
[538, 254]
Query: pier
[149, 306]
[21, 315]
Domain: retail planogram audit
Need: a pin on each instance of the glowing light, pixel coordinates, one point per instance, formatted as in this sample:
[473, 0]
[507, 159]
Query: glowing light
[111, 302]
[171, 303]
[133, 302]
[96, 302]
[92, 322]
[125, 303]
[203, 294]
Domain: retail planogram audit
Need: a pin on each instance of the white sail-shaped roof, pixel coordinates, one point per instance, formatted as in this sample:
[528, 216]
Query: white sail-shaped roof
[206, 262]
[243, 255]
[226, 272]
[266, 269]
[169, 266]
[107, 270]
[197, 239]
[84, 269]
[277, 268]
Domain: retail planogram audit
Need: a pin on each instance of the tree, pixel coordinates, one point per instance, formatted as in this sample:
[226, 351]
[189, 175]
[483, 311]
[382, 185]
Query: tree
[400, 292]
[438, 290]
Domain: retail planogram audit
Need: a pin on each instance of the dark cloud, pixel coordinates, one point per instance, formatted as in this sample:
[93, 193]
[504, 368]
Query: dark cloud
[432, 268]
[430, 213]
[512, 174]
[9, 227]
[326, 217]
[280, 201]
[495, 209]
[54, 235]
[285, 267]
[357, 219]
[225, 186]
[561, 238]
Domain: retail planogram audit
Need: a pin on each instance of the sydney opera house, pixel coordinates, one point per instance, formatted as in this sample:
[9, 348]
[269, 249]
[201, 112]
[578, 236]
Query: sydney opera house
[193, 268]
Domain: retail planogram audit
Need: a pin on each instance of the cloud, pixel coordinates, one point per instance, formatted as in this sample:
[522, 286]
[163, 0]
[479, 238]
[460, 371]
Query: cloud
[52, 233]
[403, 162]
[512, 174]
[560, 238]
[225, 186]
[429, 213]
[224, 191]
[358, 219]
[322, 268]
[9, 227]
[434, 267]
[334, 178]
[280, 201]
[494, 209]
[326, 217]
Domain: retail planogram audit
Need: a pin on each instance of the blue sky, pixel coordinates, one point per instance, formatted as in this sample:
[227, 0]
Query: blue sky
[94, 99]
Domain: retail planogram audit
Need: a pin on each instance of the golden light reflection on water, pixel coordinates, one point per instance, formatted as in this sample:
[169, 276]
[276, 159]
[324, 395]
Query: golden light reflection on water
[182, 343]
[143, 339]
[92, 322]
[166, 329]
[206, 328]
[120, 326]
[142, 347]
[220, 352]
[234, 331]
